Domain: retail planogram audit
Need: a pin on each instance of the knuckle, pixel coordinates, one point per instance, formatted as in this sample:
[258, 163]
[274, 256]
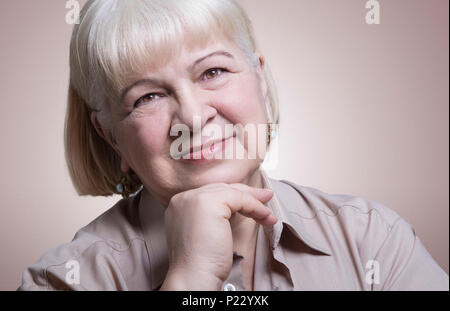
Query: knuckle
[222, 184]
[175, 200]
[239, 185]
[214, 185]
[243, 199]
[202, 200]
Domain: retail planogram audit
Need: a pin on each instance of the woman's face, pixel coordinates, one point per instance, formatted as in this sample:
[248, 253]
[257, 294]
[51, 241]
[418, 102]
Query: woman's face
[217, 85]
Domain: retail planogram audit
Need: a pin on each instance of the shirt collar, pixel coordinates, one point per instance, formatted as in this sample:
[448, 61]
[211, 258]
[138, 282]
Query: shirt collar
[293, 213]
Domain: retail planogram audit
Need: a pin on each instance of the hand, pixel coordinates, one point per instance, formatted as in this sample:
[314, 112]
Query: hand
[198, 232]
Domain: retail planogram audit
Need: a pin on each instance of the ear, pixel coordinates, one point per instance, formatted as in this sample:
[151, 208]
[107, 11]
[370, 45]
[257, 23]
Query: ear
[260, 72]
[97, 126]
[124, 166]
[111, 141]
[103, 134]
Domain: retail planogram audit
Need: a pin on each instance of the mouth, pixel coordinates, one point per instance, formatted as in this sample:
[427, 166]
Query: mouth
[209, 151]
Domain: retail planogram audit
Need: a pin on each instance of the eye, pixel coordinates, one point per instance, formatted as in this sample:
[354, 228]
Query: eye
[213, 73]
[146, 99]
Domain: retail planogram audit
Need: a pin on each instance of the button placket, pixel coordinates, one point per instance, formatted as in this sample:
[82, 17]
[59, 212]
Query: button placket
[229, 287]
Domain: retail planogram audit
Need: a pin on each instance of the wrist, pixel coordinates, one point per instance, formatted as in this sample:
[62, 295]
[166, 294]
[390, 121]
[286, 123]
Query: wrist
[185, 280]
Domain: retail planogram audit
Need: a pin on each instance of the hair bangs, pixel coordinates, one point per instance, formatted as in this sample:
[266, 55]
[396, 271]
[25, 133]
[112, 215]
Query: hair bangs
[141, 35]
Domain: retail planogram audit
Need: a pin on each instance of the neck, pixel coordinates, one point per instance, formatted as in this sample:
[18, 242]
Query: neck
[254, 179]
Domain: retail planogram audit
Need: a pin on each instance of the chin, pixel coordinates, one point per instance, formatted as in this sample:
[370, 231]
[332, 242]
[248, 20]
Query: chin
[228, 171]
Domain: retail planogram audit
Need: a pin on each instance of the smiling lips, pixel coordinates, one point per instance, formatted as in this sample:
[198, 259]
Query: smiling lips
[206, 152]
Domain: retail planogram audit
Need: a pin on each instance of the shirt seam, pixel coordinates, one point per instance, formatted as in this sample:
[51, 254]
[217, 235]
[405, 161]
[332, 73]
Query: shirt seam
[85, 250]
[339, 207]
[148, 246]
[409, 255]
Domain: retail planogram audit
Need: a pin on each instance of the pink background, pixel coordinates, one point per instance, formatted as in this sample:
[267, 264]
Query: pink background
[364, 111]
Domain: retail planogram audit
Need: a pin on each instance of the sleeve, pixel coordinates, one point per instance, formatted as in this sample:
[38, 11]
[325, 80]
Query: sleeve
[405, 264]
[37, 278]
[66, 269]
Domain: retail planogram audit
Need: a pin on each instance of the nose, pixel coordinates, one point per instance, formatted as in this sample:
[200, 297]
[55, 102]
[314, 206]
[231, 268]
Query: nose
[193, 106]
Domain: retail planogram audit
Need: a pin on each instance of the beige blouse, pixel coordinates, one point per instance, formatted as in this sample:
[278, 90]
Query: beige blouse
[320, 242]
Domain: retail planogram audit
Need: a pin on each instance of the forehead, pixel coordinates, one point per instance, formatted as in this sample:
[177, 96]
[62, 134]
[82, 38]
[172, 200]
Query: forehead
[190, 51]
[187, 56]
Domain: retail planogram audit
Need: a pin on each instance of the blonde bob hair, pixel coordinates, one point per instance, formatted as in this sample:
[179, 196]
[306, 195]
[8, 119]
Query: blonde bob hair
[114, 41]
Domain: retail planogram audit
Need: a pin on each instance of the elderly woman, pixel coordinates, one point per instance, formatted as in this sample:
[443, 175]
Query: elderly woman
[154, 86]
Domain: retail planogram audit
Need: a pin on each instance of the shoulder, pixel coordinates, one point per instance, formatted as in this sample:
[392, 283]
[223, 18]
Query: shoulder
[105, 242]
[118, 225]
[357, 223]
[361, 232]
[314, 202]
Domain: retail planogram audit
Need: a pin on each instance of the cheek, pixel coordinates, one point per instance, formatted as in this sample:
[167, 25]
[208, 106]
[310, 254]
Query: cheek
[241, 102]
[145, 138]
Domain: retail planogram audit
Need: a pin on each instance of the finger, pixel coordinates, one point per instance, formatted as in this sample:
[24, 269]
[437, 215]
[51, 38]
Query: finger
[268, 221]
[247, 205]
[262, 194]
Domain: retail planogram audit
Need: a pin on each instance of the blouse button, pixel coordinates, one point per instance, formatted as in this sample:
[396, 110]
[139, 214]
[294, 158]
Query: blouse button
[229, 287]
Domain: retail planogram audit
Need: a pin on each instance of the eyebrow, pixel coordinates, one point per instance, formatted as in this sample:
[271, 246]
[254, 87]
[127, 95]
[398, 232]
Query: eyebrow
[198, 61]
[191, 68]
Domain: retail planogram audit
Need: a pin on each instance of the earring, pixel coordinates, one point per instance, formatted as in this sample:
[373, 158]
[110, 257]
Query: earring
[271, 132]
[123, 187]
